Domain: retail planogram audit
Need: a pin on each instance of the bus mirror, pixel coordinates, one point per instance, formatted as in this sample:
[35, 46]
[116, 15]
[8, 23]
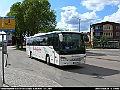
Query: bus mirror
[61, 37]
[86, 38]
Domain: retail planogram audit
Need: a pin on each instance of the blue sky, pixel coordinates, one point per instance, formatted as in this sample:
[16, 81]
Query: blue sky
[68, 12]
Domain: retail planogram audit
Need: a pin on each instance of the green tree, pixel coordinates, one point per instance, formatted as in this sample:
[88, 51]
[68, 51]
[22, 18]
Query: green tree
[95, 42]
[17, 11]
[31, 17]
[38, 16]
[103, 41]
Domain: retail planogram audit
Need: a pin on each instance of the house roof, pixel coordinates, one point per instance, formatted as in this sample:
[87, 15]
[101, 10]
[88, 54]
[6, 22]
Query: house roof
[106, 22]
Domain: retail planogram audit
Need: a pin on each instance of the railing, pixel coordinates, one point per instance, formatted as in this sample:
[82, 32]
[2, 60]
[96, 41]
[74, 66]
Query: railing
[97, 30]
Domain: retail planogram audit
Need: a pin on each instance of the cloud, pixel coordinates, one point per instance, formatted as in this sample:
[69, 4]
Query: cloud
[69, 8]
[70, 19]
[115, 17]
[98, 5]
[7, 12]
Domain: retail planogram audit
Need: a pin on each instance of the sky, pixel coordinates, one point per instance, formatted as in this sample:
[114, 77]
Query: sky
[70, 12]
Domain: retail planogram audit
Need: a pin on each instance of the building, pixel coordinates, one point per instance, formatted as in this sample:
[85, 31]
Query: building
[110, 30]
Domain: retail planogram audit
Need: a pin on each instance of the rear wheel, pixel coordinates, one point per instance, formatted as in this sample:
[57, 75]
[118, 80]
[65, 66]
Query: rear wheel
[31, 55]
[47, 59]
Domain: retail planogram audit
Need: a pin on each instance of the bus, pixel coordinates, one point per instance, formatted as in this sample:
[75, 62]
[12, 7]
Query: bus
[58, 47]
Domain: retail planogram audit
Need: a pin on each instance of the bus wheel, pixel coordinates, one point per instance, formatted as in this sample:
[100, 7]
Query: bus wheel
[31, 55]
[48, 60]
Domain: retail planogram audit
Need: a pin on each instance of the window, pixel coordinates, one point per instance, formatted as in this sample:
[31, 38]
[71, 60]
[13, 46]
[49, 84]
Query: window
[97, 34]
[108, 34]
[56, 42]
[49, 38]
[107, 27]
[117, 34]
[117, 27]
[98, 27]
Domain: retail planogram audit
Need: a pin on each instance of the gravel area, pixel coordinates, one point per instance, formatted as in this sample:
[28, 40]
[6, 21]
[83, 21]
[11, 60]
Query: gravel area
[18, 78]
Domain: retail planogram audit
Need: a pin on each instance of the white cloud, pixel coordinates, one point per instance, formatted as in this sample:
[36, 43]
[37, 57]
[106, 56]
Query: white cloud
[69, 8]
[115, 17]
[69, 19]
[7, 12]
[98, 5]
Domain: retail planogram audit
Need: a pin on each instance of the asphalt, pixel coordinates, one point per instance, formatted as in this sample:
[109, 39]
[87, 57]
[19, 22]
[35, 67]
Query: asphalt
[1, 83]
[110, 58]
[104, 57]
[17, 76]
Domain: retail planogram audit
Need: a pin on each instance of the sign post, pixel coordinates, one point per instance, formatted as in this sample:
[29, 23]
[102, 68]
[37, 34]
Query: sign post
[0, 23]
[6, 24]
[3, 57]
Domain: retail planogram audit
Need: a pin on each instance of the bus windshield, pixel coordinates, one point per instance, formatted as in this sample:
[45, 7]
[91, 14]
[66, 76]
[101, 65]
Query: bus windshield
[72, 43]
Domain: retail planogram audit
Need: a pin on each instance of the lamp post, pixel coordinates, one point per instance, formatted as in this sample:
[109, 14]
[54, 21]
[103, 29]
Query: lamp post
[79, 22]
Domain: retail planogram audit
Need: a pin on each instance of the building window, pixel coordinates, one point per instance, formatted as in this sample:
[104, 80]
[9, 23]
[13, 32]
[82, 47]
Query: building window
[97, 34]
[108, 34]
[117, 33]
[107, 27]
[117, 27]
[98, 27]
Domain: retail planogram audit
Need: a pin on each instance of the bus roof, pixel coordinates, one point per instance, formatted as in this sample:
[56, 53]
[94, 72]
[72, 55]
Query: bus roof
[51, 33]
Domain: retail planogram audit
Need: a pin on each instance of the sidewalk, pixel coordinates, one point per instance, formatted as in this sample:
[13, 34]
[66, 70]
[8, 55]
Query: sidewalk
[1, 83]
[18, 78]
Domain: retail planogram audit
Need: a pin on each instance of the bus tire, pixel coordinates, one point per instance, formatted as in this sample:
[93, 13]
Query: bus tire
[31, 55]
[47, 59]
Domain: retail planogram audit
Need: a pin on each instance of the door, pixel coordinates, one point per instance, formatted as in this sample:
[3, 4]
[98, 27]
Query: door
[56, 49]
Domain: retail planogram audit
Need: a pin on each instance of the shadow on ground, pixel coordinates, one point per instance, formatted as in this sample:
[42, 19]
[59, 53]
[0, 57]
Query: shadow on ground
[89, 70]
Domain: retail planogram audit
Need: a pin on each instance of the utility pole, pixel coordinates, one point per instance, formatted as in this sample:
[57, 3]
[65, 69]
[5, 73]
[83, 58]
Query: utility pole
[78, 22]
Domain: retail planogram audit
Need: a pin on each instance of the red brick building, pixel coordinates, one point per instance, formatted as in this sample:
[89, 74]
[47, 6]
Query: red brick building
[110, 30]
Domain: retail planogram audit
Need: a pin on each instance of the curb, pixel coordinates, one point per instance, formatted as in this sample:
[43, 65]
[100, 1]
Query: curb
[104, 58]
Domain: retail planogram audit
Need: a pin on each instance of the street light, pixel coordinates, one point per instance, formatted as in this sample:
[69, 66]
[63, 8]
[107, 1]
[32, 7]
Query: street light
[79, 22]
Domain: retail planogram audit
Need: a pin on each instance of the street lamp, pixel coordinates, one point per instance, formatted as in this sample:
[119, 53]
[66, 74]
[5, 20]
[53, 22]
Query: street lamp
[79, 22]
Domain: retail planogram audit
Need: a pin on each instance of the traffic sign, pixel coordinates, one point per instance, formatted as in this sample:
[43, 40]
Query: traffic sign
[8, 31]
[9, 23]
[0, 22]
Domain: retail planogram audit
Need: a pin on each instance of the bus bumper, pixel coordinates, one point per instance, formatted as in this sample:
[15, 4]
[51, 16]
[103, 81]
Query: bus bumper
[65, 63]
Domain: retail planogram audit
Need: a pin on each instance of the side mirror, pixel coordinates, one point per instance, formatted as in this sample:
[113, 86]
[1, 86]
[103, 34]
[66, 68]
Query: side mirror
[61, 37]
[86, 38]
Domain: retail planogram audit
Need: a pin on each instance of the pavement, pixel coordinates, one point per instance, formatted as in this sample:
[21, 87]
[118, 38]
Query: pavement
[15, 77]
[110, 58]
[1, 84]
[104, 57]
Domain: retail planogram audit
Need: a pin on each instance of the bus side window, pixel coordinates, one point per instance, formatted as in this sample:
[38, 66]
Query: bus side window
[56, 42]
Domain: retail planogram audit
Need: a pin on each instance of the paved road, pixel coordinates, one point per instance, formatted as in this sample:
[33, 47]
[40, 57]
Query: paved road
[103, 52]
[23, 71]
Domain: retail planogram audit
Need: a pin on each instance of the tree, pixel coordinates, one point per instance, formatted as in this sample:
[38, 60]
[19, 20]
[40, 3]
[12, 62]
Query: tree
[31, 17]
[38, 16]
[17, 11]
[103, 41]
[95, 42]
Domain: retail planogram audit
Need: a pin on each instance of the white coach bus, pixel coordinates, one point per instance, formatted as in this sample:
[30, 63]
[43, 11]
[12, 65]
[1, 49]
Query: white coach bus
[57, 47]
